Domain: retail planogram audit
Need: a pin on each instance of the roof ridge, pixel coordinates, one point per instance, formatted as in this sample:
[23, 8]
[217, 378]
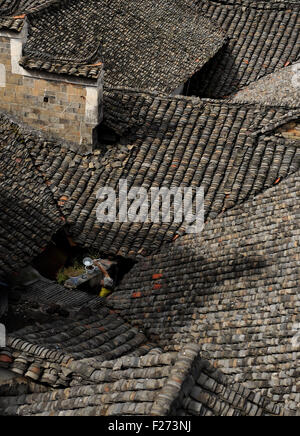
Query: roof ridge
[178, 375]
[274, 124]
[195, 99]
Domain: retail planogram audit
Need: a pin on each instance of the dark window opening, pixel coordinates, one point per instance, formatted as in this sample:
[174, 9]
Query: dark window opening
[55, 256]
[104, 135]
[49, 99]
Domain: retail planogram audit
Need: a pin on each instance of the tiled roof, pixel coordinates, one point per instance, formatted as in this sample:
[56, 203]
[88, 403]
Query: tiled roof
[46, 291]
[8, 7]
[155, 384]
[13, 7]
[73, 69]
[12, 24]
[227, 148]
[281, 88]
[29, 215]
[121, 387]
[234, 289]
[155, 45]
[178, 142]
[12, 12]
[206, 391]
[13, 18]
[221, 309]
[259, 3]
[263, 37]
[68, 351]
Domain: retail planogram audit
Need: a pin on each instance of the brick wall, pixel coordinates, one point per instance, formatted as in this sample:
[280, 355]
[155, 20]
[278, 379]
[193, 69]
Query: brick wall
[69, 111]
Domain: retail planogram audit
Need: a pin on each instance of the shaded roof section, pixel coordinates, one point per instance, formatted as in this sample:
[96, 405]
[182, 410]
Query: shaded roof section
[234, 289]
[29, 215]
[155, 384]
[263, 37]
[153, 45]
[280, 88]
[44, 291]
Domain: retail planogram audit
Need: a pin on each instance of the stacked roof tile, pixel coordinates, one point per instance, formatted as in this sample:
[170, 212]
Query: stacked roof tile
[234, 289]
[123, 387]
[263, 37]
[66, 351]
[154, 384]
[230, 293]
[142, 47]
[14, 7]
[227, 148]
[12, 24]
[206, 391]
[8, 7]
[12, 12]
[29, 215]
[281, 88]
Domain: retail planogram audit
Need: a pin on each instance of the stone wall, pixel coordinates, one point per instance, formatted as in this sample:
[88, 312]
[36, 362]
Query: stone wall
[63, 107]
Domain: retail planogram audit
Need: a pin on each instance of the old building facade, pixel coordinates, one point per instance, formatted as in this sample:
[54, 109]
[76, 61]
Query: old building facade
[63, 106]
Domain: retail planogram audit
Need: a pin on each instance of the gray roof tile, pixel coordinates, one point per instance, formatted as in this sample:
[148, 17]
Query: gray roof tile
[234, 289]
[263, 38]
[157, 45]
